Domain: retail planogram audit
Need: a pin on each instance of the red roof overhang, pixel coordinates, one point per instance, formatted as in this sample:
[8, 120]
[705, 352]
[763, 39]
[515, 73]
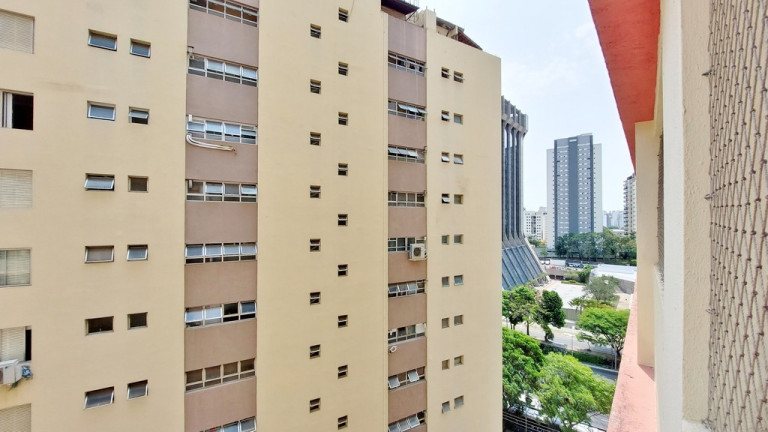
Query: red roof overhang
[629, 32]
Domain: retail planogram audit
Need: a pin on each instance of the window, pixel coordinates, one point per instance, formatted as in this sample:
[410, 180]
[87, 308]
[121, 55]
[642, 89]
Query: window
[139, 116]
[343, 269]
[343, 219]
[95, 398]
[314, 351]
[458, 280]
[406, 333]
[343, 15]
[343, 69]
[445, 239]
[458, 238]
[314, 191]
[446, 406]
[458, 118]
[406, 199]
[405, 378]
[314, 86]
[15, 189]
[17, 108]
[315, 31]
[15, 344]
[99, 182]
[96, 254]
[343, 321]
[141, 49]
[219, 70]
[445, 115]
[222, 131]
[446, 322]
[446, 364]
[458, 361]
[245, 425]
[405, 110]
[458, 402]
[14, 267]
[98, 325]
[101, 112]
[314, 245]
[458, 320]
[343, 119]
[102, 40]
[343, 169]
[407, 423]
[343, 370]
[446, 198]
[458, 76]
[406, 288]
[18, 32]
[445, 157]
[138, 389]
[218, 252]
[137, 320]
[137, 252]
[314, 298]
[314, 405]
[446, 281]
[445, 72]
[227, 10]
[405, 154]
[314, 138]
[218, 313]
[212, 191]
[402, 244]
[406, 64]
[137, 184]
[215, 375]
[458, 159]
[342, 422]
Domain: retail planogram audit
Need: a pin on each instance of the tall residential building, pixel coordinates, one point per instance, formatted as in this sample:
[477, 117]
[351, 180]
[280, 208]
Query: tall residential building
[535, 224]
[630, 203]
[689, 81]
[299, 133]
[614, 218]
[519, 262]
[574, 187]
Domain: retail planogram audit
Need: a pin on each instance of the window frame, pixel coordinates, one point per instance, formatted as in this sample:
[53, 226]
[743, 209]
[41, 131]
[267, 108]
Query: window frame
[405, 154]
[402, 109]
[315, 86]
[221, 70]
[102, 106]
[458, 159]
[7, 105]
[199, 190]
[458, 280]
[131, 181]
[143, 257]
[195, 4]
[216, 130]
[315, 138]
[407, 64]
[342, 321]
[217, 252]
[458, 77]
[406, 199]
[132, 326]
[343, 119]
[104, 36]
[343, 69]
[137, 116]
[97, 404]
[342, 219]
[315, 31]
[458, 118]
[143, 385]
[343, 169]
[135, 43]
[97, 329]
[197, 316]
[314, 351]
[314, 405]
[402, 289]
[88, 249]
[315, 298]
[315, 191]
[343, 15]
[458, 239]
[342, 270]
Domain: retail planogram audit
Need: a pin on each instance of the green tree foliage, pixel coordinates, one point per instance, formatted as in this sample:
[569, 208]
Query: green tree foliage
[522, 361]
[536, 242]
[568, 391]
[605, 244]
[602, 289]
[606, 326]
[583, 303]
[520, 306]
[550, 313]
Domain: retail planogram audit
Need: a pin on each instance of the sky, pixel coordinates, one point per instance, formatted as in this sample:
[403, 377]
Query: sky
[552, 69]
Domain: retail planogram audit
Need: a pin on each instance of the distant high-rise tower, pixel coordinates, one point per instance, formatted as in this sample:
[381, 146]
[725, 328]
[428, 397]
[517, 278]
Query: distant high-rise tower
[574, 187]
[614, 219]
[535, 226]
[630, 204]
[519, 263]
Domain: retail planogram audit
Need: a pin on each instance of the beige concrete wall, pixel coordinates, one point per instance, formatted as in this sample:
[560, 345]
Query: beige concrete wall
[288, 218]
[407, 310]
[409, 355]
[478, 259]
[64, 218]
[406, 39]
[407, 176]
[400, 269]
[221, 38]
[220, 405]
[407, 132]
[204, 283]
[406, 401]
[240, 165]
[222, 100]
[220, 222]
[407, 222]
[407, 87]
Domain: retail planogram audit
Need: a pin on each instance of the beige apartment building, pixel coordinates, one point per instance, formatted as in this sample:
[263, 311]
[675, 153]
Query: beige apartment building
[331, 260]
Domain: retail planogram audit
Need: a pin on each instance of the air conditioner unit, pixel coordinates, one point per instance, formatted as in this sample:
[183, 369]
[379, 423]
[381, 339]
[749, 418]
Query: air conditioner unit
[393, 348]
[10, 372]
[418, 252]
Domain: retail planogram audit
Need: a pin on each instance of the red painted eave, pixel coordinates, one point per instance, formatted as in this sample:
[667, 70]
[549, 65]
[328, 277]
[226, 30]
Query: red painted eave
[629, 32]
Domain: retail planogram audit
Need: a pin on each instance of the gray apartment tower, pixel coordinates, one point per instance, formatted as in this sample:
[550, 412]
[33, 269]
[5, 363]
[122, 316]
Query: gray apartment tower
[519, 263]
[574, 187]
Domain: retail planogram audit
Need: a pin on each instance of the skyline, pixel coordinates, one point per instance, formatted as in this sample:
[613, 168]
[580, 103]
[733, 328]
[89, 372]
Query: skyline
[551, 76]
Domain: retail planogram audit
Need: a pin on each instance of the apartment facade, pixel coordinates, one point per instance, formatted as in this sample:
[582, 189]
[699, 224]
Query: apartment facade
[535, 224]
[614, 218]
[630, 203]
[297, 249]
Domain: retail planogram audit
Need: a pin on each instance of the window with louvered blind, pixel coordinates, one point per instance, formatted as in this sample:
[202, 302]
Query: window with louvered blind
[17, 418]
[14, 267]
[17, 32]
[13, 344]
[15, 189]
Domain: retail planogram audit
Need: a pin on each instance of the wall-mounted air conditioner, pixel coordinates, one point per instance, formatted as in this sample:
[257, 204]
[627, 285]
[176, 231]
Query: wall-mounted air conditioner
[418, 252]
[10, 372]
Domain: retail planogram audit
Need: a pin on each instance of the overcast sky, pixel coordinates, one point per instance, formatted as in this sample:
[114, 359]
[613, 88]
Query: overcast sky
[553, 70]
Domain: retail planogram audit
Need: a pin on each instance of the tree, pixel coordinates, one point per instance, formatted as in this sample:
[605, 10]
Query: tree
[568, 391]
[536, 242]
[583, 303]
[521, 362]
[610, 243]
[521, 306]
[602, 288]
[606, 326]
[551, 313]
